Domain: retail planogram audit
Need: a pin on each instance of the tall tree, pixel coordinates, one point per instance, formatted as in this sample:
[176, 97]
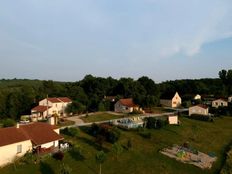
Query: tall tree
[100, 159]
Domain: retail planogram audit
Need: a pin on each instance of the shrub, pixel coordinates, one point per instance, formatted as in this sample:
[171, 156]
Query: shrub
[143, 132]
[74, 132]
[58, 155]
[154, 123]
[200, 117]
[8, 122]
[110, 134]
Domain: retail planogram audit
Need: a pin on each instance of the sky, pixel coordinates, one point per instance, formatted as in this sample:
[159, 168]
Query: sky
[64, 40]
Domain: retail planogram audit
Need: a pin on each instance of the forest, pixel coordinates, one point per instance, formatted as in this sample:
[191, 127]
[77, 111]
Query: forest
[18, 96]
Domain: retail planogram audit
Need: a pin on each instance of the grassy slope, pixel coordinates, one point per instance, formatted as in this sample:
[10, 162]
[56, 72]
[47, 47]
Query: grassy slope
[144, 158]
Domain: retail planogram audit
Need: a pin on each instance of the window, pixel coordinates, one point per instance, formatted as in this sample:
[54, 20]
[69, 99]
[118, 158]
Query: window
[19, 148]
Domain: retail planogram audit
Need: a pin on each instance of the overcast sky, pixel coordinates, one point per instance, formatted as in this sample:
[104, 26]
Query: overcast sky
[66, 39]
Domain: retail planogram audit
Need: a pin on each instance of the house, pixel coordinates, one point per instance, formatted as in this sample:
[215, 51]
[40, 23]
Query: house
[199, 109]
[16, 141]
[219, 102]
[50, 106]
[173, 119]
[197, 97]
[125, 106]
[170, 100]
[230, 99]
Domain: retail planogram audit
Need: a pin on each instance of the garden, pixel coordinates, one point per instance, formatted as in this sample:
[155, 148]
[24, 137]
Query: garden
[112, 150]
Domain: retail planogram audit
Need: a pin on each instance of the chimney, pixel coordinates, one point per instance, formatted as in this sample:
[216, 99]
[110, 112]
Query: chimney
[17, 125]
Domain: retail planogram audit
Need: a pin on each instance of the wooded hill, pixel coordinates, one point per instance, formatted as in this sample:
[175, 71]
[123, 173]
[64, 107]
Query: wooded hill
[18, 96]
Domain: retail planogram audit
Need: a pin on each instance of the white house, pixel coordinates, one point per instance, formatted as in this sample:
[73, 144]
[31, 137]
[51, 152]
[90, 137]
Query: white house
[219, 102]
[125, 106]
[230, 99]
[199, 109]
[173, 119]
[37, 136]
[50, 106]
[197, 97]
[171, 100]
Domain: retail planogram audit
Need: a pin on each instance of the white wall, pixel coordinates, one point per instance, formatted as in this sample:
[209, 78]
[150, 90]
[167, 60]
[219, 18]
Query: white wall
[173, 119]
[198, 110]
[53, 143]
[9, 152]
[217, 103]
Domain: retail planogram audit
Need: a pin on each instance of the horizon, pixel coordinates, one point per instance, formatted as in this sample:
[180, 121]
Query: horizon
[163, 40]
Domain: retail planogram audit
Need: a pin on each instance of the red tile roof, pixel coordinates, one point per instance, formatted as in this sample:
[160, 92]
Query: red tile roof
[39, 133]
[11, 135]
[202, 106]
[54, 100]
[128, 102]
[65, 99]
[59, 99]
[40, 108]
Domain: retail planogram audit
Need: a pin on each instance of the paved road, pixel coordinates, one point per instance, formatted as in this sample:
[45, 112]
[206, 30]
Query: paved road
[79, 122]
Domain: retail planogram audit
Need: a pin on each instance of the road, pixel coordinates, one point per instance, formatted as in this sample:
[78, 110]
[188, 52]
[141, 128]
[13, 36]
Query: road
[79, 122]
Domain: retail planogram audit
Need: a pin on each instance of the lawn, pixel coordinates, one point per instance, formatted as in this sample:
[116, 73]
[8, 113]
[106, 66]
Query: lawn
[144, 156]
[100, 117]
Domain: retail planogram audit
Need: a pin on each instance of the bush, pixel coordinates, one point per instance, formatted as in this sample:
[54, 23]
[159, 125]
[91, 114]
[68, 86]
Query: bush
[73, 132]
[110, 134]
[145, 133]
[154, 123]
[201, 117]
[58, 155]
[8, 122]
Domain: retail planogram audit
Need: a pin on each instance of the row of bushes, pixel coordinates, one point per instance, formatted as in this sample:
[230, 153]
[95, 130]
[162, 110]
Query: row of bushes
[227, 111]
[200, 117]
[155, 123]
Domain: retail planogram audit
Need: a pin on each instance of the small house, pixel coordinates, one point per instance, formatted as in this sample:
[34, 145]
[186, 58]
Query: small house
[125, 106]
[219, 102]
[170, 100]
[199, 110]
[35, 137]
[197, 97]
[230, 99]
[173, 119]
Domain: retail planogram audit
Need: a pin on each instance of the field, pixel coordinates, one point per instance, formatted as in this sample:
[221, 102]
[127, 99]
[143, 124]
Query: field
[100, 117]
[144, 156]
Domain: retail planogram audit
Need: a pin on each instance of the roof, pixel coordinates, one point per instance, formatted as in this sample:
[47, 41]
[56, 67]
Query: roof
[40, 108]
[201, 106]
[39, 133]
[127, 102]
[59, 99]
[11, 135]
[65, 99]
[222, 99]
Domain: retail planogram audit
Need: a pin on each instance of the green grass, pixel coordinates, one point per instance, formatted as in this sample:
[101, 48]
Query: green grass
[100, 117]
[144, 157]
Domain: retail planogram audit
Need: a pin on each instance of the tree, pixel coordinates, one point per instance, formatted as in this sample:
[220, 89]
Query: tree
[226, 77]
[117, 149]
[100, 159]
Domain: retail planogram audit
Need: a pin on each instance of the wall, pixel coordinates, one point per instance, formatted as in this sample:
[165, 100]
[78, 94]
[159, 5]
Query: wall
[9, 152]
[53, 143]
[173, 119]
[217, 103]
[198, 110]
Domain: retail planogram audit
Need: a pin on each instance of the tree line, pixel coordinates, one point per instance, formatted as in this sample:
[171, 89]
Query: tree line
[18, 96]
